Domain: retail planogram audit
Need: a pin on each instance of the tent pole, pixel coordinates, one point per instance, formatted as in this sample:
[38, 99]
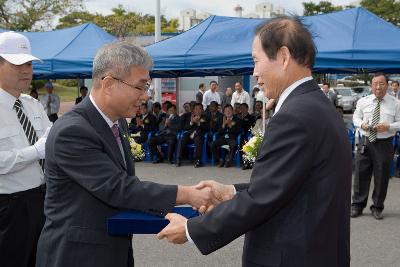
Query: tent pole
[157, 37]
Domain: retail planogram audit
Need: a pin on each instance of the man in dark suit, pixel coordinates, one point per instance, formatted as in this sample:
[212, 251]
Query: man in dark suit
[248, 120]
[227, 135]
[158, 113]
[83, 91]
[90, 174]
[326, 88]
[144, 124]
[295, 209]
[200, 93]
[169, 128]
[194, 131]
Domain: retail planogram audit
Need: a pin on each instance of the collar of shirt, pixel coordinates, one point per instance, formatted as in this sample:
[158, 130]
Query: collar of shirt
[385, 98]
[288, 90]
[109, 122]
[201, 92]
[7, 99]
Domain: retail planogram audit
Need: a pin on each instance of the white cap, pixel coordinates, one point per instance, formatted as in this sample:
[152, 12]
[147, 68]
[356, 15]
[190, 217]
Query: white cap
[15, 48]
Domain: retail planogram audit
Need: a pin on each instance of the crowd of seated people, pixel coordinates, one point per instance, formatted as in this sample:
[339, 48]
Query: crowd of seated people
[198, 126]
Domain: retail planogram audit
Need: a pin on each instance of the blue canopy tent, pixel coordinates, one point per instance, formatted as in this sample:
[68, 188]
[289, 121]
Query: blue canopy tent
[352, 40]
[67, 53]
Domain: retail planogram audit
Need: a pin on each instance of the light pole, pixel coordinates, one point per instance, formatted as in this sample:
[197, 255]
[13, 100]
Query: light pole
[157, 37]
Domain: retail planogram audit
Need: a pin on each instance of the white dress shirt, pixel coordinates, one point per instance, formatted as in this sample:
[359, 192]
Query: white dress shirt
[210, 96]
[389, 113]
[19, 161]
[243, 97]
[288, 90]
[54, 104]
[109, 122]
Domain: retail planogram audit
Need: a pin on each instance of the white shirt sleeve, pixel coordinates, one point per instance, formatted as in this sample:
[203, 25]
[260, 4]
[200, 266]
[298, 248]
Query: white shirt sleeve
[358, 115]
[16, 159]
[205, 96]
[187, 234]
[395, 126]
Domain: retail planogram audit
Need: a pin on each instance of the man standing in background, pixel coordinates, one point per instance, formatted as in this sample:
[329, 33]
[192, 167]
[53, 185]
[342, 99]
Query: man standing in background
[22, 142]
[211, 95]
[378, 117]
[51, 102]
[227, 97]
[326, 87]
[200, 93]
[240, 95]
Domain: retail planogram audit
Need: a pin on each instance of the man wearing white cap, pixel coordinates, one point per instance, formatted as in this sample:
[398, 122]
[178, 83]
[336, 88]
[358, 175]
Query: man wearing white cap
[23, 133]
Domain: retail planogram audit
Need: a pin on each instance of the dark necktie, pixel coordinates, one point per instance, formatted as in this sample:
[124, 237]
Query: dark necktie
[375, 120]
[115, 131]
[27, 126]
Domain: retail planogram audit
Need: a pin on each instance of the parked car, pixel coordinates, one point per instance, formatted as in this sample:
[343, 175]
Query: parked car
[361, 91]
[346, 98]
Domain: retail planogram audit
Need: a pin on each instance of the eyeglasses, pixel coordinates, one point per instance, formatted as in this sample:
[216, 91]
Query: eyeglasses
[143, 88]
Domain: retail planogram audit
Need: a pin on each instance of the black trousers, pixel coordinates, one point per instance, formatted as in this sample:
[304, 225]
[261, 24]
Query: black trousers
[142, 138]
[161, 139]
[198, 141]
[53, 117]
[231, 142]
[375, 160]
[21, 221]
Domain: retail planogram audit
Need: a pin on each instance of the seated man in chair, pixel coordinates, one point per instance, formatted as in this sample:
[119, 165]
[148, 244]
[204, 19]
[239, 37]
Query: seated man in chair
[195, 129]
[145, 123]
[169, 128]
[227, 135]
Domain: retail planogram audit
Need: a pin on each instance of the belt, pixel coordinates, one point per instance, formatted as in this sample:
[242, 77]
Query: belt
[388, 139]
[40, 189]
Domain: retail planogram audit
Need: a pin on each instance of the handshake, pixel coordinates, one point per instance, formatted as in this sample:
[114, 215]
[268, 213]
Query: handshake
[203, 197]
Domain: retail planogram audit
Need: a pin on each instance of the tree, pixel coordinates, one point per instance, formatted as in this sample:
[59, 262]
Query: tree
[76, 18]
[389, 10]
[322, 7]
[120, 23]
[31, 15]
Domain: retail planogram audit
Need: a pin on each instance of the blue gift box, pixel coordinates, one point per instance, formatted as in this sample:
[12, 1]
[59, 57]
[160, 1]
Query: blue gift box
[136, 222]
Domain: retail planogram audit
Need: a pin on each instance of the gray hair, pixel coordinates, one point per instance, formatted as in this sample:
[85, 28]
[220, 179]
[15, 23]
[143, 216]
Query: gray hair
[119, 57]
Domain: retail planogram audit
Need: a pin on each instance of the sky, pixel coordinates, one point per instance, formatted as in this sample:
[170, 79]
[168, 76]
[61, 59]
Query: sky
[172, 8]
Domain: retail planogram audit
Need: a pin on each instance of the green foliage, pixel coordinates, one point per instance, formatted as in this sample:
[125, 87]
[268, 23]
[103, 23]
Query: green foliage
[120, 23]
[68, 83]
[32, 15]
[322, 7]
[389, 10]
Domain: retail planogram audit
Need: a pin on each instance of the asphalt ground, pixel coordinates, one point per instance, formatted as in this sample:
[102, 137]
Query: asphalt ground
[373, 243]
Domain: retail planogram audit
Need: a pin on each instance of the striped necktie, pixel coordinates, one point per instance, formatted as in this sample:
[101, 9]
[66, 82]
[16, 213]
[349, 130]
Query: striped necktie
[27, 126]
[375, 120]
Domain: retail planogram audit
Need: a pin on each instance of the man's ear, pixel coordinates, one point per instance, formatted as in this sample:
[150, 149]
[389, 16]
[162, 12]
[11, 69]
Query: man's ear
[284, 56]
[107, 85]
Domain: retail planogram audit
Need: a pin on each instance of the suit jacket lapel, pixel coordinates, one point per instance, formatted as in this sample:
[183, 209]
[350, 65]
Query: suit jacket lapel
[101, 126]
[303, 88]
[127, 149]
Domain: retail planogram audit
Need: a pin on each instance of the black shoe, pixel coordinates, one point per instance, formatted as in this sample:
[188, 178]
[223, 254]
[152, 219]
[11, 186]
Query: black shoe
[228, 164]
[221, 164]
[197, 164]
[171, 161]
[377, 214]
[178, 163]
[355, 213]
[159, 160]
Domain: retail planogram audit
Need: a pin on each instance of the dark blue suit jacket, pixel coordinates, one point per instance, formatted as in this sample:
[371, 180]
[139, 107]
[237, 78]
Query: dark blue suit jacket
[87, 182]
[295, 209]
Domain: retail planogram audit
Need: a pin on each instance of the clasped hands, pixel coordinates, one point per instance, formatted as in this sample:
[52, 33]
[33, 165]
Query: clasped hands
[203, 197]
[379, 127]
